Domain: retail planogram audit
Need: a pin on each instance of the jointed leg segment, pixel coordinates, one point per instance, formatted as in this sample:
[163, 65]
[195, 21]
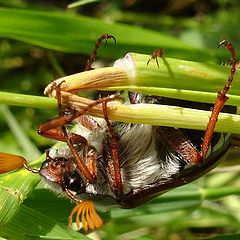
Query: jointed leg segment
[115, 170]
[175, 139]
[55, 129]
[157, 53]
[220, 101]
[95, 50]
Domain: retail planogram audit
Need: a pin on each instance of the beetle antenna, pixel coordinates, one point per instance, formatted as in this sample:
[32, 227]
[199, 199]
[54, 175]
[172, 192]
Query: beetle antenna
[10, 162]
[30, 169]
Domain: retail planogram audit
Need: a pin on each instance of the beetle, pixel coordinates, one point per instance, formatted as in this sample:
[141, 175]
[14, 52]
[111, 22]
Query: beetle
[115, 163]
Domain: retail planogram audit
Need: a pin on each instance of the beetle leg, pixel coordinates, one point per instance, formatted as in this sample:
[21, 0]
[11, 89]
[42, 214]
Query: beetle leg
[176, 140]
[93, 56]
[220, 101]
[89, 122]
[50, 128]
[86, 165]
[114, 165]
[179, 143]
[55, 129]
[135, 97]
[157, 53]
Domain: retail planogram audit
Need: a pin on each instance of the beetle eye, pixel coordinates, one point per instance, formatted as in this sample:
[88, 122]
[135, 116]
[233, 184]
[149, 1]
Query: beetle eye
[74, 182]
[45, 164]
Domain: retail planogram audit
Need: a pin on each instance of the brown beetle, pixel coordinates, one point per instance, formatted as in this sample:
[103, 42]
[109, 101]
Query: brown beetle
[115, 163]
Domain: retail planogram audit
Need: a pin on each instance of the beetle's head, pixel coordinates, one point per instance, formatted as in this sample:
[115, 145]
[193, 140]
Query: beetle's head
[62, 172]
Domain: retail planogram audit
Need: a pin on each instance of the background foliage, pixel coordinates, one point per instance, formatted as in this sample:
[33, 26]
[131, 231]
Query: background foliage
[42, 40]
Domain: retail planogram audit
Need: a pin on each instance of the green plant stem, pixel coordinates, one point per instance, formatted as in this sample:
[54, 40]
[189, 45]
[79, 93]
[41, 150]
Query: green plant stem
[161, 115]
[174, 78]
[23, 100]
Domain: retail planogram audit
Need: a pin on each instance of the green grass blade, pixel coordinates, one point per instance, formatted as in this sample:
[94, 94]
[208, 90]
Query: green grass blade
[217, 192]
[14, 189]
[70, 33]
[30, 150]
[226, 237]
[81, 3]
[185, 197]
[30, 224]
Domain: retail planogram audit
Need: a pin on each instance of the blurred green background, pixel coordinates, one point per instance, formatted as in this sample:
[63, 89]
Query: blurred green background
[43, 40]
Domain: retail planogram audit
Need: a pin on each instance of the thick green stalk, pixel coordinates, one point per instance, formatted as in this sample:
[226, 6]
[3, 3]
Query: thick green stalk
[161, 115]
[23, 100]
[174, 78]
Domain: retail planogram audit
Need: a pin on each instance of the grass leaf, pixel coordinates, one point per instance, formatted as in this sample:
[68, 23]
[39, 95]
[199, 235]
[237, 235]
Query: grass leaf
[81, 3]
[30, 150]
[70, 33]
[30, 224]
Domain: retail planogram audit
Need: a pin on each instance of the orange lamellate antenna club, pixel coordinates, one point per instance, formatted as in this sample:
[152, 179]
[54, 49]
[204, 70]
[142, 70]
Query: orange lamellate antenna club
[86, 214]
[10, 162]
